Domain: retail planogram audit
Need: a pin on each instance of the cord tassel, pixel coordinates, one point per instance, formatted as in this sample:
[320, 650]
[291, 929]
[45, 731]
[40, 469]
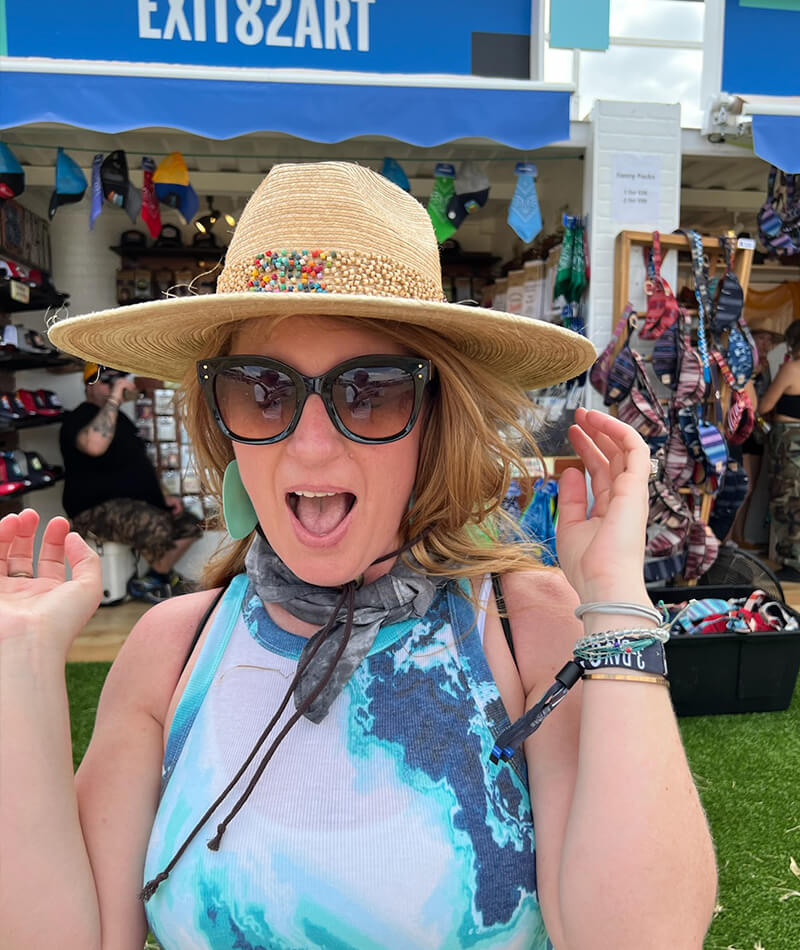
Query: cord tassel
[512, 738]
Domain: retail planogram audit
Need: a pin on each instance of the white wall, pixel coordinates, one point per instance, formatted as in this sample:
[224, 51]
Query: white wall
[626, 128]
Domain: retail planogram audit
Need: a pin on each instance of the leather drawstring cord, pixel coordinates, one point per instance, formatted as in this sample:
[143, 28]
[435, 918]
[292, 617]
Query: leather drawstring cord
[348, 595]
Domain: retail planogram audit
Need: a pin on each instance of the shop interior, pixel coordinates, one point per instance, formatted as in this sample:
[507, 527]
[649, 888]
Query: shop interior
[104, 266]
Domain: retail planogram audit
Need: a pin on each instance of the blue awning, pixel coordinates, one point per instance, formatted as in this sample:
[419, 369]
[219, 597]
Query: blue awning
[514, 114]
[776, 139]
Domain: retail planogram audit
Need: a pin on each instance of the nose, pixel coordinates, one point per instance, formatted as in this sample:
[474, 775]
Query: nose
[315, 438]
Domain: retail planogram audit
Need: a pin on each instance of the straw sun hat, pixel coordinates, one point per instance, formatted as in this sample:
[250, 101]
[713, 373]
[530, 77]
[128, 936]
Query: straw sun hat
[332, 239]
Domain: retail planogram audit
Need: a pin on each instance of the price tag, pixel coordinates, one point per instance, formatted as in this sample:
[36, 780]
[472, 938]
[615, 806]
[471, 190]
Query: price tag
[20, 292]
[746, 244]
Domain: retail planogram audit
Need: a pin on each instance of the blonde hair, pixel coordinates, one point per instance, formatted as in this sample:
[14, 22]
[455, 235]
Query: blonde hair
[470, 450]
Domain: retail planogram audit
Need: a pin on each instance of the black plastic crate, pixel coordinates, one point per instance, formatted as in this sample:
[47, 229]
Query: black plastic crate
[715, 673]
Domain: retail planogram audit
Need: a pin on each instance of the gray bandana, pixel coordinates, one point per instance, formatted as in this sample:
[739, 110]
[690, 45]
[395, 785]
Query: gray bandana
[398, 595]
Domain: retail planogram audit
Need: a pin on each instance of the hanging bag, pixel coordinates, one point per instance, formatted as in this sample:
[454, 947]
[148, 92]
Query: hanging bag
[703, 546]
[623, 369]
[662, 307]
[770, 219]
[741, 416]
[641, 408]
[729, 299]
[691, 386]
[666, 356]
[598, 374]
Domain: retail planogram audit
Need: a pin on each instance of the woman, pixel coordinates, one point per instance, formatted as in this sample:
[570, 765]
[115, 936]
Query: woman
[355, 620]
[782, 402]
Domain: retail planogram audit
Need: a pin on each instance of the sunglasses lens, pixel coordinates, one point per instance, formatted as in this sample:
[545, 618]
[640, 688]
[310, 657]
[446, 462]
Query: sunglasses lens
[255, 402]
[374, 402]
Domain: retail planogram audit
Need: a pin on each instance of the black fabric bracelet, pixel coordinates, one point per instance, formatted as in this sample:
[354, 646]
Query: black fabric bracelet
[651, 659]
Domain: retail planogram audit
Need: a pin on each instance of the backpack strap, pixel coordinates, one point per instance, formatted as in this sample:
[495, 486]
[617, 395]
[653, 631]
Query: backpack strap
[201, 625]
[501, 606]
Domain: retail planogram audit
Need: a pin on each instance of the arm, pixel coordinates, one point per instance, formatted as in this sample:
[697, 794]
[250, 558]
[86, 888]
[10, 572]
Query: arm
[117, 784]
[776, 389]
[634, 863]
[79, 842]
[623, 852]
[95, 438]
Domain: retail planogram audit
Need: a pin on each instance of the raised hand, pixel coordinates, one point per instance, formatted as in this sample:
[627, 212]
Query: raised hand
[603, 555]
[36, 601]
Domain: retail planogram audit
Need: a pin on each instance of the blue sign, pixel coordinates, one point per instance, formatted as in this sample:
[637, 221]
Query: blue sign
[760, 50]
[403, 36]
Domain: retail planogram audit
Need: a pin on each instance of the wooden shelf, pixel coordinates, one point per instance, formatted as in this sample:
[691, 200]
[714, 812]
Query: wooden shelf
[14, 362]
[40, 299]
[33, 422]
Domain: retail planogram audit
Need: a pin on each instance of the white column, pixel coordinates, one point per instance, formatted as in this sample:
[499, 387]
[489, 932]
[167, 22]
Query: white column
[626, 128]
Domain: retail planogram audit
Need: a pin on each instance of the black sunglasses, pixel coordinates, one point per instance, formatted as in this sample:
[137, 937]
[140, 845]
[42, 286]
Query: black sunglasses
[370, 399]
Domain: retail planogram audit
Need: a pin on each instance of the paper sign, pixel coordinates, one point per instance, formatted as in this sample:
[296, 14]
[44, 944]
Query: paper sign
[636, 189]
[20, 292]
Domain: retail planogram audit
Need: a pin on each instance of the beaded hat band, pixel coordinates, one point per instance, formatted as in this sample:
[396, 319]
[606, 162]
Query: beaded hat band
[333, 239]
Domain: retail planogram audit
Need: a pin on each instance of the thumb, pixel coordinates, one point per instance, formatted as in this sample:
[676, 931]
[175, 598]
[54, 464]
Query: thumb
[83, 561]
[572, 498]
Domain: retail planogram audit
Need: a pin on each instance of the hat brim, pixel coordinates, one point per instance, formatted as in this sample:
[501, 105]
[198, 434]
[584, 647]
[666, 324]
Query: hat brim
[163, 339]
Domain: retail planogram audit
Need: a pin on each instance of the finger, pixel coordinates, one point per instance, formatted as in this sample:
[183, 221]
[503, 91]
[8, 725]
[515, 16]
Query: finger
[571, 498]
[595, 461]
[51, 553]
[609, 448]
[8, 531]
[626, 438]
[20, 553]
[84, 562]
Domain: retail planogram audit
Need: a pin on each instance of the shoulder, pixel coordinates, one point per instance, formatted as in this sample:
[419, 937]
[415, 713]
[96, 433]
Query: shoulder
[153, 656]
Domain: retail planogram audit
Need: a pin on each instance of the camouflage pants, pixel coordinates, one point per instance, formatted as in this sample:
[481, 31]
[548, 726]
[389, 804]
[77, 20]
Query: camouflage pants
[784, 506]
[148, 530]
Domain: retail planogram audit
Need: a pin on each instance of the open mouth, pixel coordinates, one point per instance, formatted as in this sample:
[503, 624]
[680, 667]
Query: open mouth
[320, 512]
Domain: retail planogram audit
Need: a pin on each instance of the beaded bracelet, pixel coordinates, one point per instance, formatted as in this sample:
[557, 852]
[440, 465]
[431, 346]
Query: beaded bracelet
[611, 637]
[610, 607]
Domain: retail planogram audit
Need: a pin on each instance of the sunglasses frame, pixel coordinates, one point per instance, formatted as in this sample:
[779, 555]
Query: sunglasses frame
[419, 369]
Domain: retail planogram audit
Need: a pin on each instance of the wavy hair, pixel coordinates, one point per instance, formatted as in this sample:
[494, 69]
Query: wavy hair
[470, 449]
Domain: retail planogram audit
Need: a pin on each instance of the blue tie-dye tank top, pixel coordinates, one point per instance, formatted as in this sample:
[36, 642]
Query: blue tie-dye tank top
[384, 827]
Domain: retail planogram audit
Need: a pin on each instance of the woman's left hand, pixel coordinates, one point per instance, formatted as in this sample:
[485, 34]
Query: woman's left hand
[602, 556]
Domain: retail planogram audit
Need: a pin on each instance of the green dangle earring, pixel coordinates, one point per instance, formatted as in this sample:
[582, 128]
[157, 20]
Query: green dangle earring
[237, 509]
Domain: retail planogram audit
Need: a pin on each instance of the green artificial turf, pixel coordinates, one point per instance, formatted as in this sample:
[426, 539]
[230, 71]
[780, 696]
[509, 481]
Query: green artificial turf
[747, 770]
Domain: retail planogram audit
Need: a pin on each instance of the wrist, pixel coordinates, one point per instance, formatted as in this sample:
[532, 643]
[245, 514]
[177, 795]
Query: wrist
[113, 401]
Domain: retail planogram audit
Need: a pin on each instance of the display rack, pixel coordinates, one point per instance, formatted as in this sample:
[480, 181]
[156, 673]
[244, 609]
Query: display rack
[679, 242]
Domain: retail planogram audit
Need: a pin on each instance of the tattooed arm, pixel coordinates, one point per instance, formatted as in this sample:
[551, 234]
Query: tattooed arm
[96, 437]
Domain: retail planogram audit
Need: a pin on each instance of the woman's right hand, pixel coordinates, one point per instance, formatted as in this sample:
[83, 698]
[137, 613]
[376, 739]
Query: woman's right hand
[45, 607]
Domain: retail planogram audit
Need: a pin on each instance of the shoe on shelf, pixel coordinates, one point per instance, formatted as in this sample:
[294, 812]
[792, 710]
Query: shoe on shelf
[181, 585]
[149, 588]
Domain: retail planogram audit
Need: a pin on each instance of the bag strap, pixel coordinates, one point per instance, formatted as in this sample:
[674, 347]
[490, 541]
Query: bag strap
[657, 253]
[201, 625]
[501, 606]
[724, 369]
[703, 298]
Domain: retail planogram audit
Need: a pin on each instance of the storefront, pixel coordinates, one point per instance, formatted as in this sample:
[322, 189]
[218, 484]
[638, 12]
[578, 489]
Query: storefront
[303, 82]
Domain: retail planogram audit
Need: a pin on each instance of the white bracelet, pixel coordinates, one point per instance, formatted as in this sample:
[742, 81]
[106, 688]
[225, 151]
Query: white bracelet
[609, 607]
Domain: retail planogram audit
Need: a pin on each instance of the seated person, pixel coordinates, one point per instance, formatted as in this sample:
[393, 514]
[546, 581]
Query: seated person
[111, 489]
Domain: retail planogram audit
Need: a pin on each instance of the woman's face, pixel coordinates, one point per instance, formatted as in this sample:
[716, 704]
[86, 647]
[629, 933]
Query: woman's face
[331, 540]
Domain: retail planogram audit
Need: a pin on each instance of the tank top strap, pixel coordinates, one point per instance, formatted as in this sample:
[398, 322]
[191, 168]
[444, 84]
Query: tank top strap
[211, 654]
